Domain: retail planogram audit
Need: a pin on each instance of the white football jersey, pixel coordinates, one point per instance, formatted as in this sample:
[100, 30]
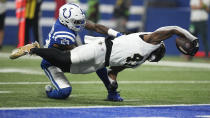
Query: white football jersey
[130, 50]
[127, 51]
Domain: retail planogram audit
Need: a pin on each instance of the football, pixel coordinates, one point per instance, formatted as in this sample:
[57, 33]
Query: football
[186, 46]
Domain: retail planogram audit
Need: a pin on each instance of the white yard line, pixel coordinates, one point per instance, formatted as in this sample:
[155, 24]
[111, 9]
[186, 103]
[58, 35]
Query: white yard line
[23, 71]
[5, 92]
[150, 69]
[180, 64]
[6, 55]
[120, 82]
[40, 72]
[81, 107]
[203, 116]
[23, 83]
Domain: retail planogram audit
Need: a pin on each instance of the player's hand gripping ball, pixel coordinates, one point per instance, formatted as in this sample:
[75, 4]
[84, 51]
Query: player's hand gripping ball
[187, 46]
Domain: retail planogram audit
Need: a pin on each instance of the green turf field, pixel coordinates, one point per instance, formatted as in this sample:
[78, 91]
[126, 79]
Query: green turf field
[22, 85]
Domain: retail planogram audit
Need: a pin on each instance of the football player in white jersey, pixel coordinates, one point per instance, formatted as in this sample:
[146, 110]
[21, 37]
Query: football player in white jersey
[127, 51]
[63, 37]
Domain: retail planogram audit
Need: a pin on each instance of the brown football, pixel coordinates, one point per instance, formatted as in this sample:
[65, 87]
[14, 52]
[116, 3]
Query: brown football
[184, 45]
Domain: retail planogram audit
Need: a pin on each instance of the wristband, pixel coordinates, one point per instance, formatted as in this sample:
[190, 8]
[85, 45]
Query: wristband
[112, 32]
[119, 34]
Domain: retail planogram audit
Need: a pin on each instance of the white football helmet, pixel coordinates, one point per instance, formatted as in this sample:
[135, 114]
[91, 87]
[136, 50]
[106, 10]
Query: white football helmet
[72, 16]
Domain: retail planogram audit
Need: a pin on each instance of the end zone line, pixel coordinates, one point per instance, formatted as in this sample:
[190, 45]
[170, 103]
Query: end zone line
[83, 107]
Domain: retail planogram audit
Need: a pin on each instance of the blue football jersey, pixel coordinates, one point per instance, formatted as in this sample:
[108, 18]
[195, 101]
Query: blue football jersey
[59, 34]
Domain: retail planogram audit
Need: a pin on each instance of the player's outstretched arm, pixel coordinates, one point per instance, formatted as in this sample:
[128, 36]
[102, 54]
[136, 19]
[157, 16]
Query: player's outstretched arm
[164, 33]
[101, 29]
[186, 43]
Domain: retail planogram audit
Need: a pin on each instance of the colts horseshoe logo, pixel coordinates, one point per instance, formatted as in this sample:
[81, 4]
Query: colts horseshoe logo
[65, 15]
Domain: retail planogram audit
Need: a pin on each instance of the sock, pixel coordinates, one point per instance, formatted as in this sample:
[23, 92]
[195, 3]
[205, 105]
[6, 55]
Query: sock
[103, 75]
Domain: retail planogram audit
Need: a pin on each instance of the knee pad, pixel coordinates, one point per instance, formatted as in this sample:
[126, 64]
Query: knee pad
[57, 77]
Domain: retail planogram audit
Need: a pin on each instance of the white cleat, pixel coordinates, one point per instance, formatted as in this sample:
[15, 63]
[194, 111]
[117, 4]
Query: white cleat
[18, 52]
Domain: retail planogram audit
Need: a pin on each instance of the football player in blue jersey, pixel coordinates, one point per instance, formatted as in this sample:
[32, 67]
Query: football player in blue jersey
[63, 36]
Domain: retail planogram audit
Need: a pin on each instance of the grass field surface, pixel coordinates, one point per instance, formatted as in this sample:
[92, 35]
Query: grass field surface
[22, 84]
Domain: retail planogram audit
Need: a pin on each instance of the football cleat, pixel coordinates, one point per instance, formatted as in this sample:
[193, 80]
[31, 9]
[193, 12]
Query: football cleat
[18, 52]
[114, 96]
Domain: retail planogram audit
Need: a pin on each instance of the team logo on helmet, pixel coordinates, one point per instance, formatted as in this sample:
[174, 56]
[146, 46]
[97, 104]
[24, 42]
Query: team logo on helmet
[64, 14]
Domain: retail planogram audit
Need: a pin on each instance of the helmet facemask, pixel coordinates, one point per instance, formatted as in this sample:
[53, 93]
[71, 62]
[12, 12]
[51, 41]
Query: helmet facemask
[76, 25]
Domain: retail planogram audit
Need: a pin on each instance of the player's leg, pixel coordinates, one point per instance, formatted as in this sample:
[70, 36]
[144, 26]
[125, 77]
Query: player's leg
[62, 88]
[203, 33]
[102, 74]
[36, 27]
[28, 26]
[56, 57]
[2, 25]
[113, 95]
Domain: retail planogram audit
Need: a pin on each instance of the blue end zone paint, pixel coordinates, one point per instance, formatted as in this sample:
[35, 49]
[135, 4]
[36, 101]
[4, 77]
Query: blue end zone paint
[107, 112]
